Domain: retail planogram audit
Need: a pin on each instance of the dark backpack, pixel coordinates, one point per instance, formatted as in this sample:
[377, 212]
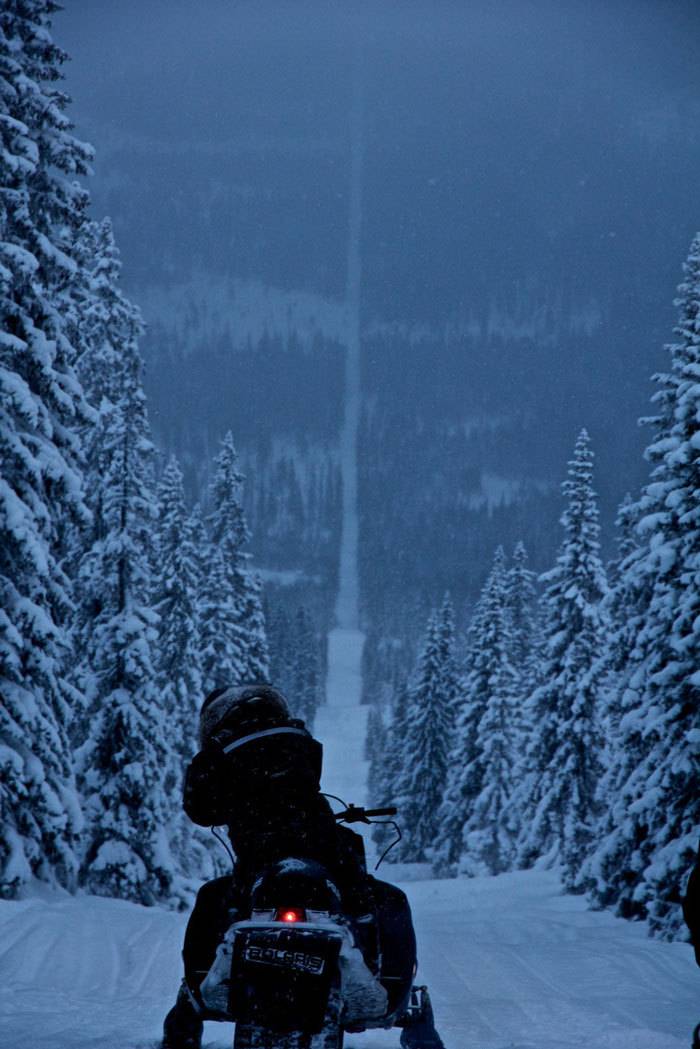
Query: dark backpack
[246, 759]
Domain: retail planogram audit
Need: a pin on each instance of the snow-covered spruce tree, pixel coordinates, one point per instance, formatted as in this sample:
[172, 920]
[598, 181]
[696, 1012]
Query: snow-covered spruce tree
[521, 602]
[281, 645]
[41, 411]
[487, 833]
[233, 627]
[177, 586]
[486, 666]
[203, 554]
[386, 769]
[108, 320]
[449, 678]
[560, 817]
[110, 328]
[425, 748]
[304, 690]
[525, 651]
[178, 572]
[124, 759]
[626, 604]
[222, 633]
[294, 660]
[660, 723]
[375, 754]
[257, 653]
[626, 543]
[109, 369]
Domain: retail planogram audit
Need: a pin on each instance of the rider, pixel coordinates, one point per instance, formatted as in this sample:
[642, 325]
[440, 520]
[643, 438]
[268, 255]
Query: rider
[258, 772]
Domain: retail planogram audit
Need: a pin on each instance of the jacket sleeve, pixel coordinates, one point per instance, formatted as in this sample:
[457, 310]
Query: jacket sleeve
[203, 799]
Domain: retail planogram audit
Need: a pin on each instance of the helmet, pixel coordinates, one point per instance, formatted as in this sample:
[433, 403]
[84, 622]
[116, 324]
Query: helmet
[241, 710]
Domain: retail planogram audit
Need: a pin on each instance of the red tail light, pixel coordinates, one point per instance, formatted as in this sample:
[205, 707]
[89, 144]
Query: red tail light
[290, 914]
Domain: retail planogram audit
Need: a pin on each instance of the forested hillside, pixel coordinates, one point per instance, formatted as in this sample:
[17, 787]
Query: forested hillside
[566, 732]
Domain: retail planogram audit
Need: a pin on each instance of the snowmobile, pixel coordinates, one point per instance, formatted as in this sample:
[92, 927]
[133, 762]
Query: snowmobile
[295, 973]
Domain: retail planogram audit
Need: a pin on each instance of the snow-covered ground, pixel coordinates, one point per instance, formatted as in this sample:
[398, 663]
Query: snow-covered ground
[341, 723]
[510, 962]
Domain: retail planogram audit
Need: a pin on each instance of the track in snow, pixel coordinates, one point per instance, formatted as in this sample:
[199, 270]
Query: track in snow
[341, 724]
[347, 607]
[511, 962]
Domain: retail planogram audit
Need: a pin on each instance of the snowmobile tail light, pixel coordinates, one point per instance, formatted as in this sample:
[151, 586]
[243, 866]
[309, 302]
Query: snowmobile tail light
[291, 914]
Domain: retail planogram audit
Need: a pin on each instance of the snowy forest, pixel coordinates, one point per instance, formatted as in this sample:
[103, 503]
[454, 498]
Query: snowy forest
[121, 605]
[531, 660]
[566, 729]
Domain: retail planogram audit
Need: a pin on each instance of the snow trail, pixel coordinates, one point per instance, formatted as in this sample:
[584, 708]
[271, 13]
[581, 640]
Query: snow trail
[511, 962]
[347, 606]
[341, 724]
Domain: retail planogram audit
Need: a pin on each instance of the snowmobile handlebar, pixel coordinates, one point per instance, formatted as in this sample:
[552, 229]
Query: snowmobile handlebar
[357, 814]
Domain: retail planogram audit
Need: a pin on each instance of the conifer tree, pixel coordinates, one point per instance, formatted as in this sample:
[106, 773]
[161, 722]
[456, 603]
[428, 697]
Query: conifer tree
[303, 692]
[486, 669]
[425, 747]
[449, 679]
[627, 597]
[223, 636]
[650, 854]
[110, 327]
[375, 753]
[525, 653]
[385, 772]
[257, 655]
[233, 628]
[566, 749]
[41, 412]
[521, 602]
[626, 603]
[626, 542]
[177, 586]
[281, 644]
[203, 553]
[109, 368]
[124, 759]
[108, 320]
[379, 794]
[488, 834]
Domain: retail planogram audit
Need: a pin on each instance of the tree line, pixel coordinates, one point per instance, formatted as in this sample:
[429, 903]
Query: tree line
[120, 605]
[569, 734]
